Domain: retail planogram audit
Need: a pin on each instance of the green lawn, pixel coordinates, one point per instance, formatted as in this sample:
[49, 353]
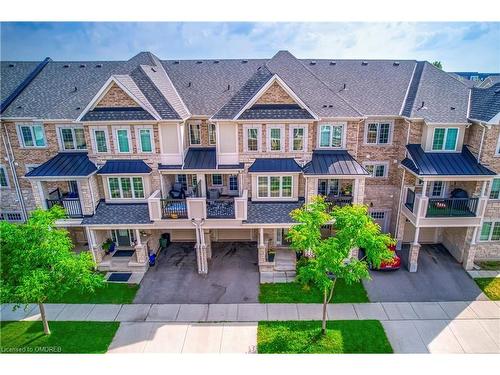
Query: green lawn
[110, 293]
[66, 337]
[490, 286]
[489, 265]
[343, 336]
[296, 293]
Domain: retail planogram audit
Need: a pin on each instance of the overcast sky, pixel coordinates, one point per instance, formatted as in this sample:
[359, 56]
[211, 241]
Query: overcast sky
[460, 46]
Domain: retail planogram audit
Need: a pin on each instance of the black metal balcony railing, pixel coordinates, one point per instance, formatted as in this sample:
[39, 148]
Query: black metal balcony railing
[173, 208]
[452, 207]
[72, 206]
[410, 199]
[338, 201]
[220, 208]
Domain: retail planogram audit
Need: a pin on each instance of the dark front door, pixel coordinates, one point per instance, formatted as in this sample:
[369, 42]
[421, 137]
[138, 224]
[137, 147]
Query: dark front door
[122, 237]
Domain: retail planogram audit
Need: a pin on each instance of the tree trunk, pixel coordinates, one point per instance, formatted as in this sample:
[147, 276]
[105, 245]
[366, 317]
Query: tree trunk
[325, 302]
[46, 328]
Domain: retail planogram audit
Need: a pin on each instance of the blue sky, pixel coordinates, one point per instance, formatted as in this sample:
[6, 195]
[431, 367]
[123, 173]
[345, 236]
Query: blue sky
[462, 46]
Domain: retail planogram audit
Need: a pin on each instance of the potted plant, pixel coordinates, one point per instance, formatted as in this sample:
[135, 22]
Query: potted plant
[270, 255]
[347, 190]
[106, 246]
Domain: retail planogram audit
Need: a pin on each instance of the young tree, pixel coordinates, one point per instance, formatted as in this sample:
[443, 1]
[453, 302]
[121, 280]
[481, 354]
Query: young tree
[438, 64]
[331, 258]
[38, 263]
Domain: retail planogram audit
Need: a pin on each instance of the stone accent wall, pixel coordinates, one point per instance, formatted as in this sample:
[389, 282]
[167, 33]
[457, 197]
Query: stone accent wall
[275, 94]
[116, 97]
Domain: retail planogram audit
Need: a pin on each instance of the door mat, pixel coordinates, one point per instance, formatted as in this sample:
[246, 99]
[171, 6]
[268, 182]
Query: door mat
[119, 276]
[123, 253]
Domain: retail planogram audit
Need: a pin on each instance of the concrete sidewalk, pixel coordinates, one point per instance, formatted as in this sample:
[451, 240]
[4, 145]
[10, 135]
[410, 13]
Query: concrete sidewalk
[252, 312]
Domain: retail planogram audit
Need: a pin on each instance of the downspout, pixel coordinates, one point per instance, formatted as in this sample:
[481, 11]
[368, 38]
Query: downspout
[481, 144]
[11, 160]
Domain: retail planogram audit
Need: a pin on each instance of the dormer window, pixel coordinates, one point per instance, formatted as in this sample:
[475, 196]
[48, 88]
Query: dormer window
[445, 139]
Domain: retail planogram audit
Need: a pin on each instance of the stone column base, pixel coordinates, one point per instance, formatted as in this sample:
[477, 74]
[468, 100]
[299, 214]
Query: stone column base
[355, 253]
[201, 257]
[141, 253]
[413, 257]
[469, 255]
[262, 254]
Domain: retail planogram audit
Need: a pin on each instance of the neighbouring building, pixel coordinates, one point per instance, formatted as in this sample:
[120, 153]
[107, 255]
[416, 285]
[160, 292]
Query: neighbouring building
[223, 150]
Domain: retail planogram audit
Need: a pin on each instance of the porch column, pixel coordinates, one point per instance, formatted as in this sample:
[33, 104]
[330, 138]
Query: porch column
[94, 247]
[262, 247]
[208, 242]
[400, 231]
[201, 249]
[240, 184]
[358, 190]
[424, 188]
[200, 181]
[39, 193]
[470, 251]
[141, 250]
[414, 250]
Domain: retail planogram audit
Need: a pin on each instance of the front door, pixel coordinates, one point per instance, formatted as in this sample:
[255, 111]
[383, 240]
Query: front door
[122, 237]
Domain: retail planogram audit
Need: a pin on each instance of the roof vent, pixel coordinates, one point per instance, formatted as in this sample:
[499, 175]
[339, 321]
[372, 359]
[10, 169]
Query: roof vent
[364, 63]
[75, 89]
[83, 65]
[259, 67]
[333, 63]
[395, 63]
[324, 106]
[19, 106]
[189, 84]
[66, 66]
[216, 61]
[497, 91]
[78, 108]
[244, 61]
[199, 62]
[452, 108]
[422, 106]
[330, 106]
[153, 69]
[228, 87]
[12, 65]
[176, 62]
[312, 63]
[98, 66]
[344, 87]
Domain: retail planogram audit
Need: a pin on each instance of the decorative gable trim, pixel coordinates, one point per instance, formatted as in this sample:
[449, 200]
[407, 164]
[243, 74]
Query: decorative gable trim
[284, 86]
[141, 101]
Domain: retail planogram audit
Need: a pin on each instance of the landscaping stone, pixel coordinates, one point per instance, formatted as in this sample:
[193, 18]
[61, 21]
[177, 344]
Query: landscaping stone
[399, 310]
[222, 313]
[458, 310]
[73, 312]
[370, 311]
[163, 313]
[429, 310]
[133, 313]
[104, 313]
[282, 311]
[252, 312]
[192, 313]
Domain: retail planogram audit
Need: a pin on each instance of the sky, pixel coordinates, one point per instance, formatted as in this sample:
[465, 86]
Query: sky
[460, 46]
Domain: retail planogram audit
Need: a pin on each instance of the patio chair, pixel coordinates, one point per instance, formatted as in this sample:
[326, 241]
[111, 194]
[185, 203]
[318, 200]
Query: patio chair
[177, 191]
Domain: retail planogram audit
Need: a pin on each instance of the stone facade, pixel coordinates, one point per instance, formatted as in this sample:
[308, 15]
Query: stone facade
[275, 94]
[116, 97]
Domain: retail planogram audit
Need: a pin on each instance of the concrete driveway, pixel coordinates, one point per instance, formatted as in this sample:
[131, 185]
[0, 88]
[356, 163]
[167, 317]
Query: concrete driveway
[233, 276]
[439, 278]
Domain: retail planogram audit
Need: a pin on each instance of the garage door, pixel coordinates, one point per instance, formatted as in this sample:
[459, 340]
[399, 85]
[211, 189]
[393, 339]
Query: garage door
[381, 218]
[233, 235]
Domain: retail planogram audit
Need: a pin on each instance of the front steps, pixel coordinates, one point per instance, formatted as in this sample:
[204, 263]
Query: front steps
[122, 264]
[284, 269]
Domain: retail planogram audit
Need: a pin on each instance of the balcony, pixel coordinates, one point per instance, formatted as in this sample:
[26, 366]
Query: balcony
[222, 208]
[173, 208]
[424, 211]
[72, 206]
[339, 201]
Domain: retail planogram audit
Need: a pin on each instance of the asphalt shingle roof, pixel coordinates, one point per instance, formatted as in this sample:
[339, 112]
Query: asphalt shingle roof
[65, 164]
[333, 162]
[122, 213]
[127, 166]
[117, 114]
[13, 73]
[275, 112]
[485, 103]
[275, 165]
[444, 163]
[271, 212]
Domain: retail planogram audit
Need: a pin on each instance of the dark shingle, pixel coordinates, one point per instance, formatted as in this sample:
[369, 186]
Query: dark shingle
[444, 163]
[127, 166]
[331, 162]
[65, 164]
[117, 114]
[123, 213]
[275, 165]
[275, 112]
[271, 212]
[485, 103]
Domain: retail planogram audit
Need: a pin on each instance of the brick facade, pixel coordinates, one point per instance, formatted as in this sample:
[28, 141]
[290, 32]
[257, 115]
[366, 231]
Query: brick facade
[116, 97]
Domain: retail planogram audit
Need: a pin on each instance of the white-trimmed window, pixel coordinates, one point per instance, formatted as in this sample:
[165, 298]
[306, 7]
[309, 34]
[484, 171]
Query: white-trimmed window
[378, 133]
[144, 136]
[71, 138]
[497, 150]
[212, 134]
[445, 139]
[194, 134]
[252, 138]
[437, 189]
[122, 140]
[126, 187]
[377, 170]
[274, 186]
[233, 183]
[490, 231]
[298, 138]
[31, 135]
[4, 179]
[216, 180]
[331, 135]
[495, 189]
[275, 138]
[100, 139]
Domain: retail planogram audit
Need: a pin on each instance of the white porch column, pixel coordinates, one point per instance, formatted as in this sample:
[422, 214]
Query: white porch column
[141, 250]
[424, 188]
[200, 180]
[41, 194]
[414, 250]
[240, 184]
[137, 236]
[201, 249]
